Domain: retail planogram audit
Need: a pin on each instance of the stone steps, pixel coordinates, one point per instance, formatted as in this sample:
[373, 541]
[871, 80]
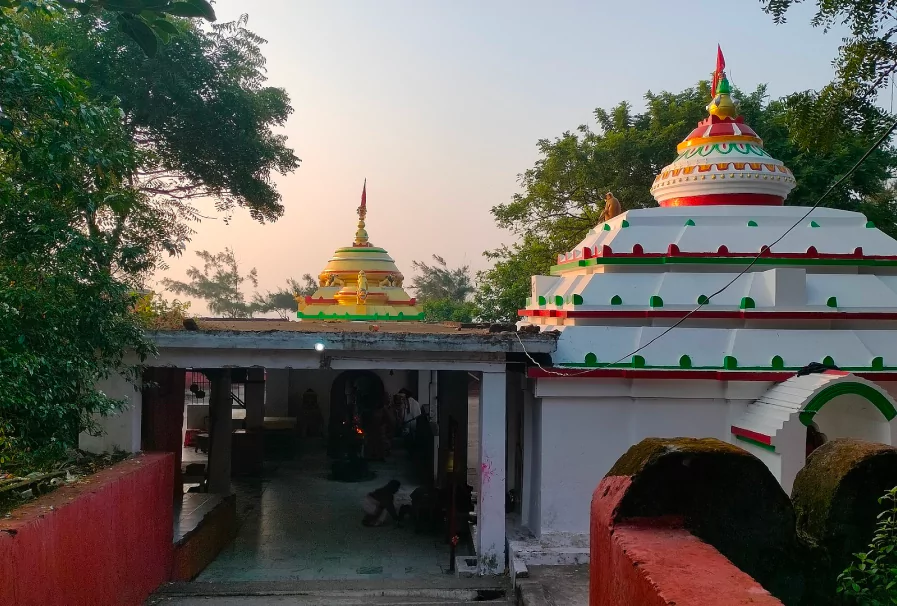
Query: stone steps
[443, 592]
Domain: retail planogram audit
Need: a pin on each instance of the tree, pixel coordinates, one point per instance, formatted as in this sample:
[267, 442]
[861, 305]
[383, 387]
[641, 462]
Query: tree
[447, 310]
[145, 21]
[67, 320]
[283, 301]
[562, 197]
[198, 111]
[218, 283]
[439, 282]
[865, 64]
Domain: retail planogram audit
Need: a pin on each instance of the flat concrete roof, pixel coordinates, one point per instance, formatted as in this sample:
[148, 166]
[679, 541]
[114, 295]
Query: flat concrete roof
[351, 336]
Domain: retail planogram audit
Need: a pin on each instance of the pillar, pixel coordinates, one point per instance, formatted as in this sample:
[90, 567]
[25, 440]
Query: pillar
[220, 429]
[526, 490]
[491, 502]
[423, 390]
[162, 423]
[254, 398]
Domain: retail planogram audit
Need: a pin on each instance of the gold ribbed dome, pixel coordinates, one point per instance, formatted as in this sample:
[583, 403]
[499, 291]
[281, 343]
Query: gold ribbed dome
[360, 282]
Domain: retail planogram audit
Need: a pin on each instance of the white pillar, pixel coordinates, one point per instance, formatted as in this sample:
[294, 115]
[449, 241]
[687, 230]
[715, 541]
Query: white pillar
[121, 430]
[491, 498]
[528, 444]
[423, 389]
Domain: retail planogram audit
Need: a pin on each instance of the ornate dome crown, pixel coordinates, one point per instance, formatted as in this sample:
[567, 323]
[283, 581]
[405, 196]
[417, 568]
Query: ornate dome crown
[722, 162]
[360, 282]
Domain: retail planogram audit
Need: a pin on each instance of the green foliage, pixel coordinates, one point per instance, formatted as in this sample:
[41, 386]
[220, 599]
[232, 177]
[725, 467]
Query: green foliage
[66, 319]
[67, 324]
[504, 287]
[563, 194]
[283, 301]
[145, 21]
[155, 313]
[198, 111]
[439, 282]
[218, 283]
[865, 64]
[872, 579]
[448, 310]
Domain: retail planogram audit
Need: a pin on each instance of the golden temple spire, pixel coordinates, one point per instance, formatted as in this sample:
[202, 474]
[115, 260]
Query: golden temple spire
[723, 105]
[361, 236]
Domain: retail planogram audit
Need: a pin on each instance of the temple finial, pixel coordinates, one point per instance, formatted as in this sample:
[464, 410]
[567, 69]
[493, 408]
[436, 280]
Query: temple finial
[361, 236]
[723, 105]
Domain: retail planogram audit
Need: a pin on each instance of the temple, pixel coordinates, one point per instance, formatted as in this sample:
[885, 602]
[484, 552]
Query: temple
[696, 318]
[360, 282]
[720, 313]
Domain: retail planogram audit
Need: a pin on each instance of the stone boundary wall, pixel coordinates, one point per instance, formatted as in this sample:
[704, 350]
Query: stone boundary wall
[646, 523]
[104, 540]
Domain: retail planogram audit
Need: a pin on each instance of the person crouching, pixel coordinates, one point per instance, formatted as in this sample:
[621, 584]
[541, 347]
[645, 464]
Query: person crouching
[380, 503]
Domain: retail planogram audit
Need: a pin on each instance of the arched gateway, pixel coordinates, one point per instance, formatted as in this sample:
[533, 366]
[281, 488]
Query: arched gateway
[840, 404]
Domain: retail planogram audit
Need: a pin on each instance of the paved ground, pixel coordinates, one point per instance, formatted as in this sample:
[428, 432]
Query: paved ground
[298, 525]
[555, 586]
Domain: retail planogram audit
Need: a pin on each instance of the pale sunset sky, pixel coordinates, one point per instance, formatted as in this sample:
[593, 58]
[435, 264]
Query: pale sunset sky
[440, 105]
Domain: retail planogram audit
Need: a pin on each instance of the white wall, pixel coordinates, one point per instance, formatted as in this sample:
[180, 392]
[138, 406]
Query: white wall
[581, 439]
[121, 430]
[852, 416]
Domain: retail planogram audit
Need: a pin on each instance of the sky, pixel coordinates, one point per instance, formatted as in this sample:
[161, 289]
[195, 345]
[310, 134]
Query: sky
[439, 105]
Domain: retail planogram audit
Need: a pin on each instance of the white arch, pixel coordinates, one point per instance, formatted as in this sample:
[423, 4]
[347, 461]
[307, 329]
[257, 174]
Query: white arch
[774, 427]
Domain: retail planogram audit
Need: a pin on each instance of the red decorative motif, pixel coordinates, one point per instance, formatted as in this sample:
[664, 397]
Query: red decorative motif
[751, 435]
[714, 375]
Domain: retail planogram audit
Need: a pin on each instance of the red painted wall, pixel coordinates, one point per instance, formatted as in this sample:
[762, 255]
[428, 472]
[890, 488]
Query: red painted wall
[656, 562]
[107, 540]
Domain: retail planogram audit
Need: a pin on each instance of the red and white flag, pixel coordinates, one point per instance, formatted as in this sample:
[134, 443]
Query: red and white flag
[720, 68]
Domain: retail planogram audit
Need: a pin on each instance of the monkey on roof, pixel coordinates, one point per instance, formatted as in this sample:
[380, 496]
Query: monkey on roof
[611, 207]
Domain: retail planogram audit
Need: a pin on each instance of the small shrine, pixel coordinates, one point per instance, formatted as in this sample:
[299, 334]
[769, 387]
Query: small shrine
[360, 283]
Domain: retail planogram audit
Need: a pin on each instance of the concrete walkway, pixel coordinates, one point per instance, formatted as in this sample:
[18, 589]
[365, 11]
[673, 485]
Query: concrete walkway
[299, 526]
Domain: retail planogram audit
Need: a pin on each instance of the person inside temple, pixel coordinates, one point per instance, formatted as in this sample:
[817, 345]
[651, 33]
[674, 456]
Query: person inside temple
[381, 503]
[412, 408]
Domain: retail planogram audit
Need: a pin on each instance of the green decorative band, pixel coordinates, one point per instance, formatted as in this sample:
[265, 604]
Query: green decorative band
[572, 265]
[757, 443]
[878, 399]
[744, 149]
[363, 317]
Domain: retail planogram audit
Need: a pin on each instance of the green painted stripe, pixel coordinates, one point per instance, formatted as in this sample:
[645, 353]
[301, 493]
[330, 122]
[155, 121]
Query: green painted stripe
[768, 447]
[361, 249]
[556, 269]
[877, 398]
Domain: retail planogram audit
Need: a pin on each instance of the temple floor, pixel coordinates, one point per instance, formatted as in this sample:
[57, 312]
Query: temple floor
[295, 524]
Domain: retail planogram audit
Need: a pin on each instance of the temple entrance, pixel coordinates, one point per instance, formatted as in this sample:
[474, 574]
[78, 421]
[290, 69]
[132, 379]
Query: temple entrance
[300, 518]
